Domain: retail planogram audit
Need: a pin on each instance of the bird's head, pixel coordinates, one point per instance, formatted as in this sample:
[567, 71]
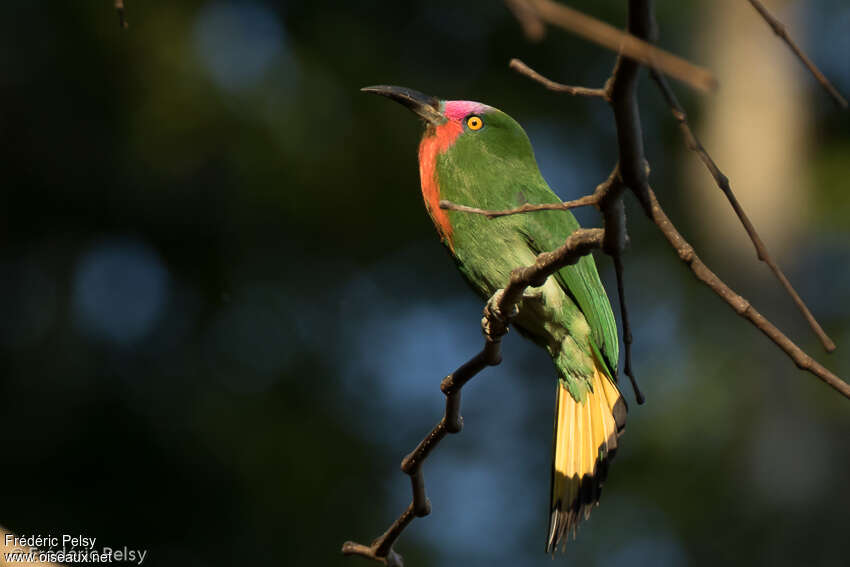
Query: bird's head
[470, 153]
[474, 125]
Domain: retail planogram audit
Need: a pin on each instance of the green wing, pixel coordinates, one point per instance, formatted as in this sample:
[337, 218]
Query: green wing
[548, 230]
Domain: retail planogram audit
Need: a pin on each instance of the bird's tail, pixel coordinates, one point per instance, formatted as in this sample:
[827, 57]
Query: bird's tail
[586, 434]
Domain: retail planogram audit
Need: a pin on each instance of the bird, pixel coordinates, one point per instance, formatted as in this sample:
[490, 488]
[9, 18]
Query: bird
[476, 155]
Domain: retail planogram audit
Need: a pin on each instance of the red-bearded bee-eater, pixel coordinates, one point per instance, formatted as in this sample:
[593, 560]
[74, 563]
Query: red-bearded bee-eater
[476, 155]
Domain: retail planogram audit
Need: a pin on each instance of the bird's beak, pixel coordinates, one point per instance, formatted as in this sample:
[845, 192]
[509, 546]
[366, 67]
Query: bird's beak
[428, 107]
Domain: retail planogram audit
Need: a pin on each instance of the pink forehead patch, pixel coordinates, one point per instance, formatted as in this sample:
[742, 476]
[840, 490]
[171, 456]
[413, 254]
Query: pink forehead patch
[457, 110]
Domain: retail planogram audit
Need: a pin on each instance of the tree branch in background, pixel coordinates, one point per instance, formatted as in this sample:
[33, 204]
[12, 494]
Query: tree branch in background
[631, 172]
[779, 29]
[693, 144]
[532, 26]
[741, 306]
[498, 314]
[625, 43]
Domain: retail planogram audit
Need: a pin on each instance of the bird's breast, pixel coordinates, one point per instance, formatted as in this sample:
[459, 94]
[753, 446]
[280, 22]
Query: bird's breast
[434, 143]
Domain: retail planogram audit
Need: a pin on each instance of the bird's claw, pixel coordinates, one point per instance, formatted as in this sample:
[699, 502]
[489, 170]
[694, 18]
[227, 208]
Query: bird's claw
[495, 323]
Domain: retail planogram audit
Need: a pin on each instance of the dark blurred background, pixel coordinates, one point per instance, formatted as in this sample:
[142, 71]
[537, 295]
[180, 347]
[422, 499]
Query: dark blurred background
[224, 313]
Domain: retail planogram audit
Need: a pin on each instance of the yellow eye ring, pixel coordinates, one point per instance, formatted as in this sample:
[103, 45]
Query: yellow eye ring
[474, 123]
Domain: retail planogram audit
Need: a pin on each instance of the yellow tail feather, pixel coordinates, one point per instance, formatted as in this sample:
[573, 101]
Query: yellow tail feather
[585, 441]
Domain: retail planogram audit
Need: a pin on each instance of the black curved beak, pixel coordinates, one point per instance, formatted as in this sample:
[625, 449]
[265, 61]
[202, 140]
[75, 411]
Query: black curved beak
[428, 107]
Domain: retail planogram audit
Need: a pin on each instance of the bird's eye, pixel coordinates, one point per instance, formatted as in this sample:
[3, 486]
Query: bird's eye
[474, 123]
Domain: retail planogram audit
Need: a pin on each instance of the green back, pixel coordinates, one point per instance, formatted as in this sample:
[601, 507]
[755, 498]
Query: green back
[494, 168]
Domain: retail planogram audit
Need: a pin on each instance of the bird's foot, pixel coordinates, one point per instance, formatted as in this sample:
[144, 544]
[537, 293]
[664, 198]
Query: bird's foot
[495, 323]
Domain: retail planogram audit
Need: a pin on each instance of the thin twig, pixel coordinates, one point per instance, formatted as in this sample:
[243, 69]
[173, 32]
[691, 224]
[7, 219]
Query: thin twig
[779, 29]
[741, 306]
[627, 330]
[119, 9]
[498, 314]
[693, 144]
[613, 211]
[624, 43]
[523, 69]
[585, 201]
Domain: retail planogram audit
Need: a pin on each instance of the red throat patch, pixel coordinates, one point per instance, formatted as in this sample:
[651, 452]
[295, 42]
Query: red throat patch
[435, 142]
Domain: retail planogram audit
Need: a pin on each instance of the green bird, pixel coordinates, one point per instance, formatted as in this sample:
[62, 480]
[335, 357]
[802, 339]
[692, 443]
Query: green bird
[476, 155]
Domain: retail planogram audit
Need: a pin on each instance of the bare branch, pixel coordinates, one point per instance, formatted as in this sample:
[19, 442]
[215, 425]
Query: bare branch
[779, 29]
[532, 25]
[526, 208]
[613, 212]
[524, 69]
[741, 306]
[498, 314]
[624, 43]
[693, 144]
[627, 330]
